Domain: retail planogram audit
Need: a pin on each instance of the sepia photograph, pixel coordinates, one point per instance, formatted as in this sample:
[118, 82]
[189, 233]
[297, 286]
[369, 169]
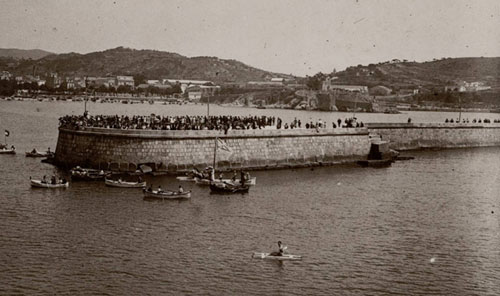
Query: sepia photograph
[250, 147]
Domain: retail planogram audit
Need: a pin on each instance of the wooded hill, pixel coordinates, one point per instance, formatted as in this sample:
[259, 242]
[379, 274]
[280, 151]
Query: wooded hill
[405, 74]
[15, 53]
[150, 64]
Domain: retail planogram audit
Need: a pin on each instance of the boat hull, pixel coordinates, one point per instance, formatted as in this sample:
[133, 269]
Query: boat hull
[124, 184]
[7, 151]
[284, 257]
[39, 154]
[250, 182]
[166, 194]
[88, 175]
[227, 188]
[40, 184]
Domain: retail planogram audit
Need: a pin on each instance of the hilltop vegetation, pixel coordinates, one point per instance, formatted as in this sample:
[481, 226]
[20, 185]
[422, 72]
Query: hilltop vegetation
[438, 73]
[16, 54]
[150, 64]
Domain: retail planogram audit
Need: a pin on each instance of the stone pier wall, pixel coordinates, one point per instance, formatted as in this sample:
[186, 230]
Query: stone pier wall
[179, 151]
[446, 135]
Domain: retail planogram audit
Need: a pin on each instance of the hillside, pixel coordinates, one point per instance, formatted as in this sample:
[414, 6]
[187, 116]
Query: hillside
[149, 63]
[14, 53]
[428, 74]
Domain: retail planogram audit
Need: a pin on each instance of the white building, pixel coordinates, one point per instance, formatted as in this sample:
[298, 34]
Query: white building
[125, 80]
[328, 86]
[187, 83]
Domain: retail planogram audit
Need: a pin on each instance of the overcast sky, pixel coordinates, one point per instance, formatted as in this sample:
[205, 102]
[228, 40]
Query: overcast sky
[292, 36]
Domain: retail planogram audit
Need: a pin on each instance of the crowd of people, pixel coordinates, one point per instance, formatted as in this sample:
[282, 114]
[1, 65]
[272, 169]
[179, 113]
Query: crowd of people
[466, 120]
[157, 122]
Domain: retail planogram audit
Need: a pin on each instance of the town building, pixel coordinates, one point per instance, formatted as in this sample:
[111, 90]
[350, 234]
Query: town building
[124, 81]
[184, 84]
[53, 80]
[328, 85]
[153, 82]
[196, 92]
[105, 81]
[5, 75]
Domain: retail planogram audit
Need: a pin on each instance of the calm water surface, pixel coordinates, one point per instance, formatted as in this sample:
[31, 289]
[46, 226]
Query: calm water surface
[426, 226]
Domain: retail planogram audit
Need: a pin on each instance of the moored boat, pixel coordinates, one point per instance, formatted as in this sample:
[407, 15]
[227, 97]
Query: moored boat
[44, 184]
[219, 187]
[8, 151]
[273, 257]
[124, 184]
[82, 174]
[250, 182]
[168, 194]
[36, 153]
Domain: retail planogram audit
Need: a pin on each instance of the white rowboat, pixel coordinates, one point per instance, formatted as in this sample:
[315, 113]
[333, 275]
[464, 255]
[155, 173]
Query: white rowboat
[40, 184]
[166, 194]
[124, 184]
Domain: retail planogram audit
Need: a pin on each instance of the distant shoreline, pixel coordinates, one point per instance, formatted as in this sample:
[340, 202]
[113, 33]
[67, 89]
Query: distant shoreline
[164, 101]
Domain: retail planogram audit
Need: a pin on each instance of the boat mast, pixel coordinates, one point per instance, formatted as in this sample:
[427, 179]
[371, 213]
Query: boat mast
[215, 152]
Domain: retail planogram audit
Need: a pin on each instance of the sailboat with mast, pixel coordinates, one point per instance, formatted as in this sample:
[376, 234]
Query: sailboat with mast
[4, 149]
[226, 186]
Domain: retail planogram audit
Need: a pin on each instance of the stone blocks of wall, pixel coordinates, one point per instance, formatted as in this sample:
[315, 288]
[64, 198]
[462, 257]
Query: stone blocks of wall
[446, 135]
[179, 151]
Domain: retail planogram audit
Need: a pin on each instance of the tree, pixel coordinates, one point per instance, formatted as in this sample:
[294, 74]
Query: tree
[139, 79]
[315, 81]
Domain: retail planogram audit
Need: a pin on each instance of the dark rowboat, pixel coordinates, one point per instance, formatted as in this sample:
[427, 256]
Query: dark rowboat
[36, 153]
[217, 187]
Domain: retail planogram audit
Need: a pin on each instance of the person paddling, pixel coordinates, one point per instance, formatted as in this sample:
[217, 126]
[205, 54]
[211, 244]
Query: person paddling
[281, 250]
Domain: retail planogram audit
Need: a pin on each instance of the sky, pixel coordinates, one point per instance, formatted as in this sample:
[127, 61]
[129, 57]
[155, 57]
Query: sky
[300, 37]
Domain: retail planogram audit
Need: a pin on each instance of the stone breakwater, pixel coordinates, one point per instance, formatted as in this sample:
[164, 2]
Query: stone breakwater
[180, 151]
[412, 136]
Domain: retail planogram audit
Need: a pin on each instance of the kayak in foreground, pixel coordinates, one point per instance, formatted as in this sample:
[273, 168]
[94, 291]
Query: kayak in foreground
[282, 257]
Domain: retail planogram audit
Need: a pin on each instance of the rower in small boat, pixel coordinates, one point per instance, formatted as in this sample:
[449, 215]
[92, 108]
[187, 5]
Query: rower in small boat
[280, 251]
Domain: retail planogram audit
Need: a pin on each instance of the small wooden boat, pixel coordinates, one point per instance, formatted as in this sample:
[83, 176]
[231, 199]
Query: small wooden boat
[7, 151]
[186, 178]
[36, 153]
[82, 174]
[219, 187]
[42, 184]
[124, 184]
[168, 194]
[272, 257]
[250, 182]
[375, 162]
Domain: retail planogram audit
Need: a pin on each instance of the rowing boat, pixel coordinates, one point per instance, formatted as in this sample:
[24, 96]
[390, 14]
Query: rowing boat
[272, 257]
[37, 153]
[166, 194]
[186, 178]
[250, 182]
[40, 184]
[83, 174]
[124, 184]
[7, 151]
[217, 187]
